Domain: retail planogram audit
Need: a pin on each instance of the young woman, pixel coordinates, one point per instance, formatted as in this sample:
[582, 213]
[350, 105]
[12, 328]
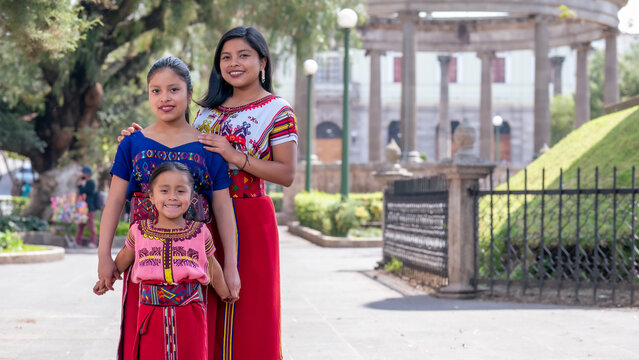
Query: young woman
[171, 296]
[170, 138]
[256, 133]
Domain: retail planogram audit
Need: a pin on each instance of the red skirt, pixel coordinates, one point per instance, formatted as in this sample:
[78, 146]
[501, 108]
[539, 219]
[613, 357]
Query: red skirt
[131, 311]
[250, 329]
[163, 332]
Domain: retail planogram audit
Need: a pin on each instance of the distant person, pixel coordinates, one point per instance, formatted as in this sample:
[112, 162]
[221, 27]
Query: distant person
[170, 287]
[25, 190]
[88, 193]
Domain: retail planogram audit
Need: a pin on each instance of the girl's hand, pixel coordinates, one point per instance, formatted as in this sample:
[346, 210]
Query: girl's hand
[218, 144]
[232, 277]
[128, 131]
[107, 272]
[99, 288]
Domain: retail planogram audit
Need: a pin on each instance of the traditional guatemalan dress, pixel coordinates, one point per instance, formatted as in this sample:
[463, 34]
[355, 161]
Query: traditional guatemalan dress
[135, 159]
[250, 329]
[171, 269]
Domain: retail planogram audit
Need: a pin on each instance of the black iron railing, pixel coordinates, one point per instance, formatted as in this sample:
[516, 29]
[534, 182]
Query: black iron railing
[573, 244]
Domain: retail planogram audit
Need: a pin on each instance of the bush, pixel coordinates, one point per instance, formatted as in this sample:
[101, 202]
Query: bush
[15, 203]
[277, 198]
[328, 214]
[121, 230]
[10, 241]
[22, 223]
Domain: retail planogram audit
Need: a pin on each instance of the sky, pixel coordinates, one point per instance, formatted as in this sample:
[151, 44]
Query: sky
[629, 17]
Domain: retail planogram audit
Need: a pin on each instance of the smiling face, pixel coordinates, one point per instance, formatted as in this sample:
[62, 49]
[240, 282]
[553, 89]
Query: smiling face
[171, 194]
[240, 64]
[168, 95]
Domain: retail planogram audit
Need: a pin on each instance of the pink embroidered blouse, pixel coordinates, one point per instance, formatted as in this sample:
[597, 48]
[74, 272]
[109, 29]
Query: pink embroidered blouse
[170, 255]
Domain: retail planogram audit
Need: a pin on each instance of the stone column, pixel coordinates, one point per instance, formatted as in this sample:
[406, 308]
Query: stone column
[443, 137]
[375, 108]
[582, 91]
[409, 96]
[486, 134]
[611, 84]
[542, 101]
[557, 62]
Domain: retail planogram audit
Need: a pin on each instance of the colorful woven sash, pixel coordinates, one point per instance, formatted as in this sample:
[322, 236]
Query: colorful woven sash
[245, 185]
[170, 294]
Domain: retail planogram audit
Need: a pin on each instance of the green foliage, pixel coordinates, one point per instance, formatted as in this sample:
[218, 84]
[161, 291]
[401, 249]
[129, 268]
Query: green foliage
[121, 230]
[51, 52]
[277, 198]
[9, 241]
[562, 117]
[366, 232]
[328, 214]
[15, 203]
[394, 266]
[628, 78]
[17, 223]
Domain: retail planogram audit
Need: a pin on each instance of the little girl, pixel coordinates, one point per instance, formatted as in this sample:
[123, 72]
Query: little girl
[172, 258]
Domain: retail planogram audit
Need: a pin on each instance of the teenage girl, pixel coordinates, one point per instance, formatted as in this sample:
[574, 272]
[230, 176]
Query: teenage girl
[170, 138]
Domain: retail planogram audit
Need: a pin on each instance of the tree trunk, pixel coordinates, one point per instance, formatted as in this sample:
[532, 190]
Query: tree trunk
[51, 183]
[59, 123]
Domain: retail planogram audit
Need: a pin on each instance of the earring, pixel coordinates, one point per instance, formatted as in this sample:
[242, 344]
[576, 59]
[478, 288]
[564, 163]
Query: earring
[263, 76]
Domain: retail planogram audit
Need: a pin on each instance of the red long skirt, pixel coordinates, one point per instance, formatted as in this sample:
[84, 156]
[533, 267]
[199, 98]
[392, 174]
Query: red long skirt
[250, 329]
[143, 327]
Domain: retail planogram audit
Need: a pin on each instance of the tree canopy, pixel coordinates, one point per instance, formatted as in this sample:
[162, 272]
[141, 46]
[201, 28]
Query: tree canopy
[74, 70]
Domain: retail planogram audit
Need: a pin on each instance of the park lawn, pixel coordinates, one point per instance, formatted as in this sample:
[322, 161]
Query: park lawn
[25, 248]
[607, 143]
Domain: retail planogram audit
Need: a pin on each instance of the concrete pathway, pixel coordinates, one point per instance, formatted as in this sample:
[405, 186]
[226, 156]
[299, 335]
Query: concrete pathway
[332, 309]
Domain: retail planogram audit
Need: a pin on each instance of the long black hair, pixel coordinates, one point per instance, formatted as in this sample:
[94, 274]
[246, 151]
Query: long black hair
[219, 90]
[179, 68]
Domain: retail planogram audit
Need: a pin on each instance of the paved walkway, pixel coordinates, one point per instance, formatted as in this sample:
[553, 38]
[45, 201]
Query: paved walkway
[331, 310]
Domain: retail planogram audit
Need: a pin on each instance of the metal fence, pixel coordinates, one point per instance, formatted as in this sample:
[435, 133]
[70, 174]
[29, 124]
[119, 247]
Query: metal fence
[415, 226]
[574, 245]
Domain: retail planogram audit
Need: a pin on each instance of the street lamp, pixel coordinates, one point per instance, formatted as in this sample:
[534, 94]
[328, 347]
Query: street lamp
[346, 19]
[310, 68]
[497, 122]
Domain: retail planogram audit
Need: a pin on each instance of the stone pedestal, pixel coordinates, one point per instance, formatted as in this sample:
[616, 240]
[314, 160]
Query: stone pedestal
[463, 171]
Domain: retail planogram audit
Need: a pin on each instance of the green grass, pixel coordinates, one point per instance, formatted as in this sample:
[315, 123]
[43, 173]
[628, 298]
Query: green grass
[608, 142]
[25, 248]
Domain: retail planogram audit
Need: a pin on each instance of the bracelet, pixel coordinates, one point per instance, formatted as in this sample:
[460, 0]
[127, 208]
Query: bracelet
[245, 161]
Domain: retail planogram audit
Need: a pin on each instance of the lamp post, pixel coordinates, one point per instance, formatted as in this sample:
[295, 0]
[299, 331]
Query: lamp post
[346, 19]
[497, 121]
[310, 68]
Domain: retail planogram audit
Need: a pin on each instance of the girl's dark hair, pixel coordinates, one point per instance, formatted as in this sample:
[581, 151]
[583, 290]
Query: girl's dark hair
[219, 90]
[179, 68]
[170, 166]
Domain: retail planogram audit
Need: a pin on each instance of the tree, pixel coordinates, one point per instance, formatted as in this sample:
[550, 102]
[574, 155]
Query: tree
[77, 70]
[628, 78]
[562, 117]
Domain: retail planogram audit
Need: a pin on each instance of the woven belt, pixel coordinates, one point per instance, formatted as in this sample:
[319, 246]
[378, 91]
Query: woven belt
[170, 294]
